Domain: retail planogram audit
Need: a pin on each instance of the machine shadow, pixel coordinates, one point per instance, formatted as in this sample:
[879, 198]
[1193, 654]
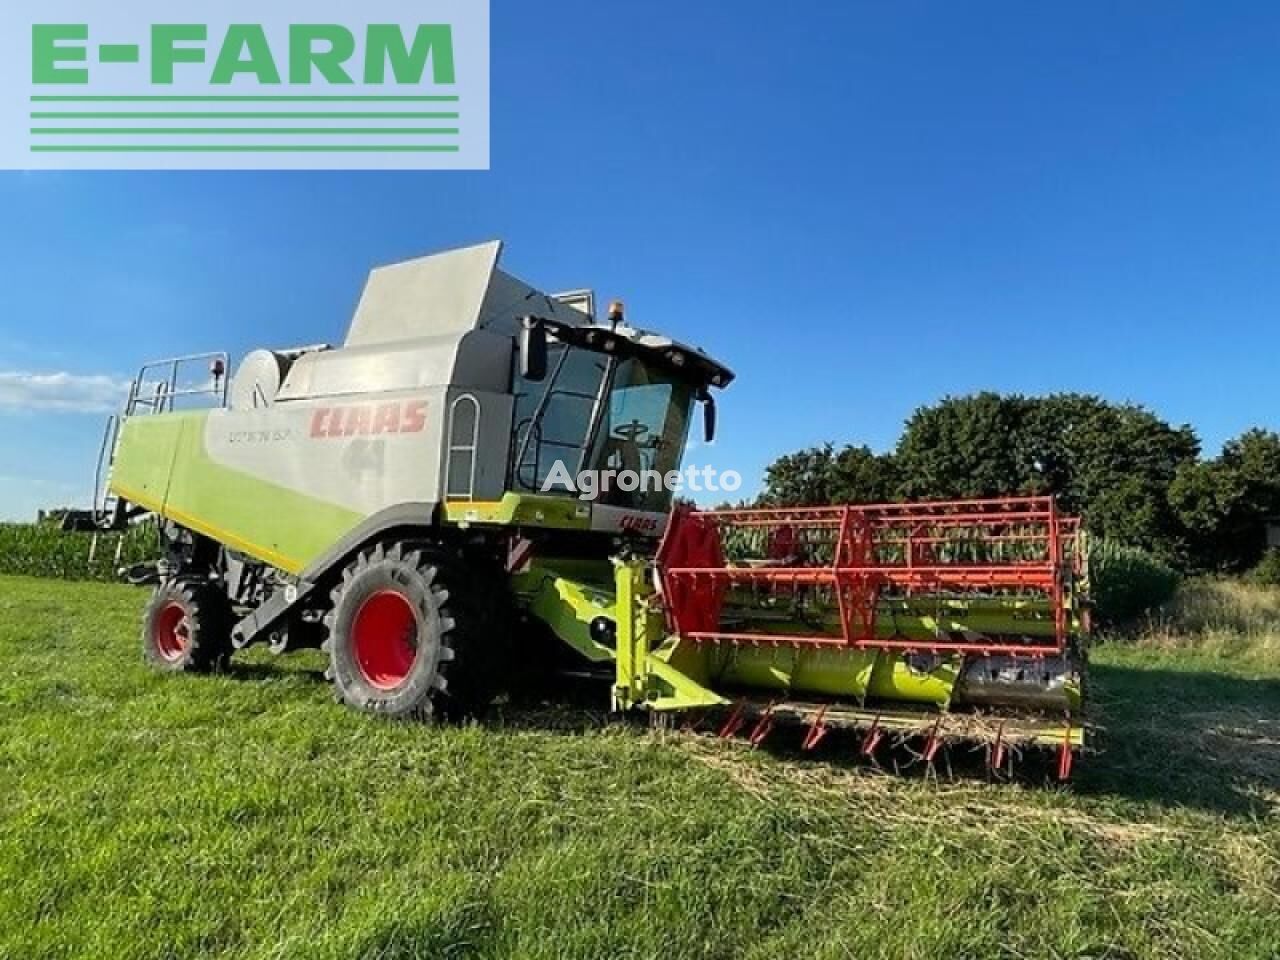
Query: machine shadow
[571, 706]
[277, 668]
[1174, 738]
[1185, 739]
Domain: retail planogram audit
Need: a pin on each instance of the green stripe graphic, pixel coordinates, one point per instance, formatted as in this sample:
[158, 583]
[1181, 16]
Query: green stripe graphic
[310, 131]
[98, 107]
[243, 148]
[243, 99]
[263, 115]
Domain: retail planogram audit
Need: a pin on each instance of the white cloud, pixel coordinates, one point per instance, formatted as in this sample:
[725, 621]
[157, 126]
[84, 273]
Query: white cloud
[61, 392]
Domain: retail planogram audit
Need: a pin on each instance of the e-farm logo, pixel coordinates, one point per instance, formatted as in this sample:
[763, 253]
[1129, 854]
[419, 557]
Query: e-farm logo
[329, 85]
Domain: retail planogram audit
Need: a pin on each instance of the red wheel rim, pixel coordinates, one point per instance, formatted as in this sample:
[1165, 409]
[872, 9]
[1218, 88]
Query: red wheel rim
[384, 637]
[171, 633]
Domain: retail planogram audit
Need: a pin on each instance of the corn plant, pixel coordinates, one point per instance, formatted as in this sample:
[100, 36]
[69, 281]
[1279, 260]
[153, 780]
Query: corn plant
[1126, 582]
[44, 550]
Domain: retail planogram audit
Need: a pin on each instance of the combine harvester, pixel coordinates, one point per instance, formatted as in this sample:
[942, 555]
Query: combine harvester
[388, 501]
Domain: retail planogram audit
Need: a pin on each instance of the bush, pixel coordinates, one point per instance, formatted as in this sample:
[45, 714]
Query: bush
[1127, 582]
[1219, 616]
[44, 550]
[1267, 572]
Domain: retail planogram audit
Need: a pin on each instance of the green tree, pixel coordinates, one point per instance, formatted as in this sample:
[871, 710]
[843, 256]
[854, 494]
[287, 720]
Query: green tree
[1113, 463]
[965, 447]
[860, 476]
[1224, 504]
[800, 479]
[821, 475]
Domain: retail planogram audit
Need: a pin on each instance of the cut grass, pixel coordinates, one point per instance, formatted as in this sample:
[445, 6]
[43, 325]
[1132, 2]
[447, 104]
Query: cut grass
[246, 815]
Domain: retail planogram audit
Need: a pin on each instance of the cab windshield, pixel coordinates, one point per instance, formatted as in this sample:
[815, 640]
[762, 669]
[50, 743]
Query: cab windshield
[642, 428]
[600, 413]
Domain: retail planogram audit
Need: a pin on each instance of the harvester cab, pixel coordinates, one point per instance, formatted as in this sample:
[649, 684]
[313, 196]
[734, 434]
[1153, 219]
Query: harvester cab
[422, 498]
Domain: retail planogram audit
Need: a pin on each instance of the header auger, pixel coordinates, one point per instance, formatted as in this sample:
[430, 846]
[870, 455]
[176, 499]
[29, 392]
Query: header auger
[394, 502]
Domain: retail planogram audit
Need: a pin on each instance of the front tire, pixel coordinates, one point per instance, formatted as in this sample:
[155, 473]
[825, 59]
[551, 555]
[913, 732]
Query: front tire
[186, 628]
[403, 636]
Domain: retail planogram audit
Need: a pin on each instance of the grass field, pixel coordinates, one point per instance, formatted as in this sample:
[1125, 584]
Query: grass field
[247, 816]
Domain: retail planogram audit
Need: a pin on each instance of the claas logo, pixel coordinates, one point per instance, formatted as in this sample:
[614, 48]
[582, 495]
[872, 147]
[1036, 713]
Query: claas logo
[639, 523]
[369, 419]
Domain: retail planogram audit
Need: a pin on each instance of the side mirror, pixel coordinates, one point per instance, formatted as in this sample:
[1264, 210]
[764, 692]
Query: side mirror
[708, 416]
[533, 350]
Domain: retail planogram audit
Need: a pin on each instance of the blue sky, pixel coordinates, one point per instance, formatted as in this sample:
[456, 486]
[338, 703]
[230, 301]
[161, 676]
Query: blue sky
[861, 207]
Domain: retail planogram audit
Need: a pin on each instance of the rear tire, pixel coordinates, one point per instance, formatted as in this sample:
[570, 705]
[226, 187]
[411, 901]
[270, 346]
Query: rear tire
[406, 636]
[186, 628]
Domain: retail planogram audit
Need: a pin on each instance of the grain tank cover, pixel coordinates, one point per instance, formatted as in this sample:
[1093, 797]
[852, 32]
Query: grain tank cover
[446, 295]
[449, 319]
[427, 296]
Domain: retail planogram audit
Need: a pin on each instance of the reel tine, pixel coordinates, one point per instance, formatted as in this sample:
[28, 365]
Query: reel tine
[763, 726]
[872, 739]
[995, 756]
[1065, 756]
[736, 719]
[817, 730]
[931, 747]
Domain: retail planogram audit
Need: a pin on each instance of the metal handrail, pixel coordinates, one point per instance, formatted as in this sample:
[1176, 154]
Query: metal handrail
[166, 389]
[108, 443]
[455, 447]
